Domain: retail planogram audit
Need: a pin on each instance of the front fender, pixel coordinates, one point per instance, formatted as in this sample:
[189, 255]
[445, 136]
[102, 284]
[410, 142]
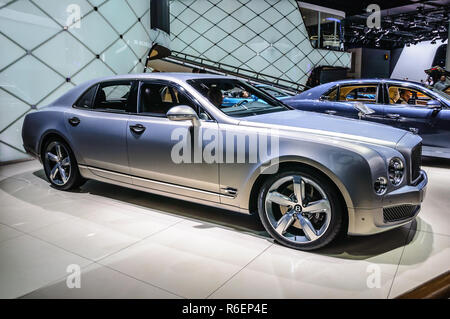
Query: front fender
[346, 168]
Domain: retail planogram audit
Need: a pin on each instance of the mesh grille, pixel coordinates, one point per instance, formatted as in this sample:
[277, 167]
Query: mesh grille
[416, 161]
[396, 213]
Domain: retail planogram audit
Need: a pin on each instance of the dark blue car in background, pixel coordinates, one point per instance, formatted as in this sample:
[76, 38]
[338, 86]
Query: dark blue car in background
[421, 110]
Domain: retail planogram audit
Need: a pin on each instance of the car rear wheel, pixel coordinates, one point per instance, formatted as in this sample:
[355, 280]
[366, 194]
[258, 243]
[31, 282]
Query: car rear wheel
[60, 165]
[300, 209]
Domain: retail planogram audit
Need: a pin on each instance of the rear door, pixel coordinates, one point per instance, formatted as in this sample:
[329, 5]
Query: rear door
[98, 125]
[367, 93]
[339, 101]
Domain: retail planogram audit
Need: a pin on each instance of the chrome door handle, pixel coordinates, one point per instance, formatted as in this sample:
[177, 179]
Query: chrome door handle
[138, 128]
[331, 112]
[74, 121]
[393, 116]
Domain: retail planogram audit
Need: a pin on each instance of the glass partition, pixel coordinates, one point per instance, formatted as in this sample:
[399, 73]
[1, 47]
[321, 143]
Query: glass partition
[324, 26]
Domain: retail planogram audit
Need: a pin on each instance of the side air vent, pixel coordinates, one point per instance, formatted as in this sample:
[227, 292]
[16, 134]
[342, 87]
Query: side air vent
[230, 191]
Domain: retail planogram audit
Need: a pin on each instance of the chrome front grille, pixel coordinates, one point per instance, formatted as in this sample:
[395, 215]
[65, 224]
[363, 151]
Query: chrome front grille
[397, 213]
[416, 162]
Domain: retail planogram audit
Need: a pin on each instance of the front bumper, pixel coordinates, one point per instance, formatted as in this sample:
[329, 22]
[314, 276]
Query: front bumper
[372, 221]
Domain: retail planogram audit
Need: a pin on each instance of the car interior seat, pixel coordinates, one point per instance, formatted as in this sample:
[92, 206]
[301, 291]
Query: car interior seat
[394, 95]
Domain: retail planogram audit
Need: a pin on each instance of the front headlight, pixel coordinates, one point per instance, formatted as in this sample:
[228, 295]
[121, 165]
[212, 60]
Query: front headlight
[396, 171]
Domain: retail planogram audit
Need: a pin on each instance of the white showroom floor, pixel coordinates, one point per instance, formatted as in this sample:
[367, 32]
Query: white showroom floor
[131, 244]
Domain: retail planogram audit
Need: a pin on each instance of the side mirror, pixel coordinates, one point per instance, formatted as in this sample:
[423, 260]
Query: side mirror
[434, 104]
[183, 113]
[363, 108]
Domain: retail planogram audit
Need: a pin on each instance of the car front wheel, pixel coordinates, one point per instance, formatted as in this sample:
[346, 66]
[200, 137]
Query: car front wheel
[300, 209]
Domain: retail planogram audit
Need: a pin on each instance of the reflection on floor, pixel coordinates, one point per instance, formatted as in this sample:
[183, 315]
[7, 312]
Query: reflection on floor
[130, 244]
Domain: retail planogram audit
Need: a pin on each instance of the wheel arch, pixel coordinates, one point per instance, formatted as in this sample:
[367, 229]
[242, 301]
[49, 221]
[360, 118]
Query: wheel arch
[48, 135]
[296, 162]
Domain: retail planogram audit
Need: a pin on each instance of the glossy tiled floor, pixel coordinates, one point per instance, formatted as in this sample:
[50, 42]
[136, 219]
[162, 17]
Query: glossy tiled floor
[130, 244]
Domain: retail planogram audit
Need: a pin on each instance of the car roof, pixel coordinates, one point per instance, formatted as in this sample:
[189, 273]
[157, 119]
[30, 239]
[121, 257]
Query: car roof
[317, 91]
[73, 94]
[373, 80]
[184, 76]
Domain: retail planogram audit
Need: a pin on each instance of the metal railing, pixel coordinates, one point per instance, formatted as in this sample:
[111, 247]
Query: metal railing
[192, 61]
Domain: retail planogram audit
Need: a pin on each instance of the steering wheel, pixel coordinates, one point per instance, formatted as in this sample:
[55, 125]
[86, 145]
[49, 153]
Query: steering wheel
[240, 103]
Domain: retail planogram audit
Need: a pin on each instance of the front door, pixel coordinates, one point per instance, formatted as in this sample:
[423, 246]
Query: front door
[407, 109]
[156, 155]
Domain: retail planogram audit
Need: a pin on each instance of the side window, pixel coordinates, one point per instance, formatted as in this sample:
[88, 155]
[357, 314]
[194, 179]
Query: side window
[158, 99]
[85, 101]
[167, 95]
[405, 95]
[330, 96]
[115, 97]
[360, 93]
[447, 90]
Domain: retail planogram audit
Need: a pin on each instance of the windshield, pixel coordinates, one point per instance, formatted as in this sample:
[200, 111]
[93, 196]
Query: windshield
[441, 94]
[237, 98]
[274, 91]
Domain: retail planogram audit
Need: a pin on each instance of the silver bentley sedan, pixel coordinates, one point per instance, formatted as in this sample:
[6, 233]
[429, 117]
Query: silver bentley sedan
[309, 177]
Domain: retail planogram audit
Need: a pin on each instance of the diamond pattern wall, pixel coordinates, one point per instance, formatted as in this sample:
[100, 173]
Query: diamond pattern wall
[266, 36]
[48, 46]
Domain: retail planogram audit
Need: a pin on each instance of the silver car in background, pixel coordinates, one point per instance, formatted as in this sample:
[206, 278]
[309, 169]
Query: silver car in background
[322, 176]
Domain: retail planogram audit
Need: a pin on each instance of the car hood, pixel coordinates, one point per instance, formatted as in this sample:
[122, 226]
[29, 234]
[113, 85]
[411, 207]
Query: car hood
[327, 125]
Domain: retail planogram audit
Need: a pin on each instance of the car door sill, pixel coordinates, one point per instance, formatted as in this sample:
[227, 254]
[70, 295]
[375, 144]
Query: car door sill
[171, 190]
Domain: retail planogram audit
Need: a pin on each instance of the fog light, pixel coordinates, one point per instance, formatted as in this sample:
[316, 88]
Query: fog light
[396, 171]
[380, 185]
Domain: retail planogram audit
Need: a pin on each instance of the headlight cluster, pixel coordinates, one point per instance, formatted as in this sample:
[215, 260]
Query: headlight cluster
[396, 171]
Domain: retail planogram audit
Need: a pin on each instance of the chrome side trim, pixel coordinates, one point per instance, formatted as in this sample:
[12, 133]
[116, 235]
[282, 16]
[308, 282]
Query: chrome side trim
[153, 181]
[87, 172]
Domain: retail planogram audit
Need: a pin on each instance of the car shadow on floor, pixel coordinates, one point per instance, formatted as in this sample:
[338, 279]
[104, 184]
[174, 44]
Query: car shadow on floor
[436, 162]
[348, 247]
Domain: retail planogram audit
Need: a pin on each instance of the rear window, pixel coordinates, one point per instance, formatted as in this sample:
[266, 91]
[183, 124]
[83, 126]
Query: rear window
[115, 97]
[85, 101]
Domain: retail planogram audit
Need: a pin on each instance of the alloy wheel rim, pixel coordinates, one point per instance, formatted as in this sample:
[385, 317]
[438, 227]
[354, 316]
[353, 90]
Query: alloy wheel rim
[58, 163]
[298, 209]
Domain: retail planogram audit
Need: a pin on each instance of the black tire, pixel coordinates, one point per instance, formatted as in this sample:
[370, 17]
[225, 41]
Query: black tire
[337, 221]
[74, 178]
